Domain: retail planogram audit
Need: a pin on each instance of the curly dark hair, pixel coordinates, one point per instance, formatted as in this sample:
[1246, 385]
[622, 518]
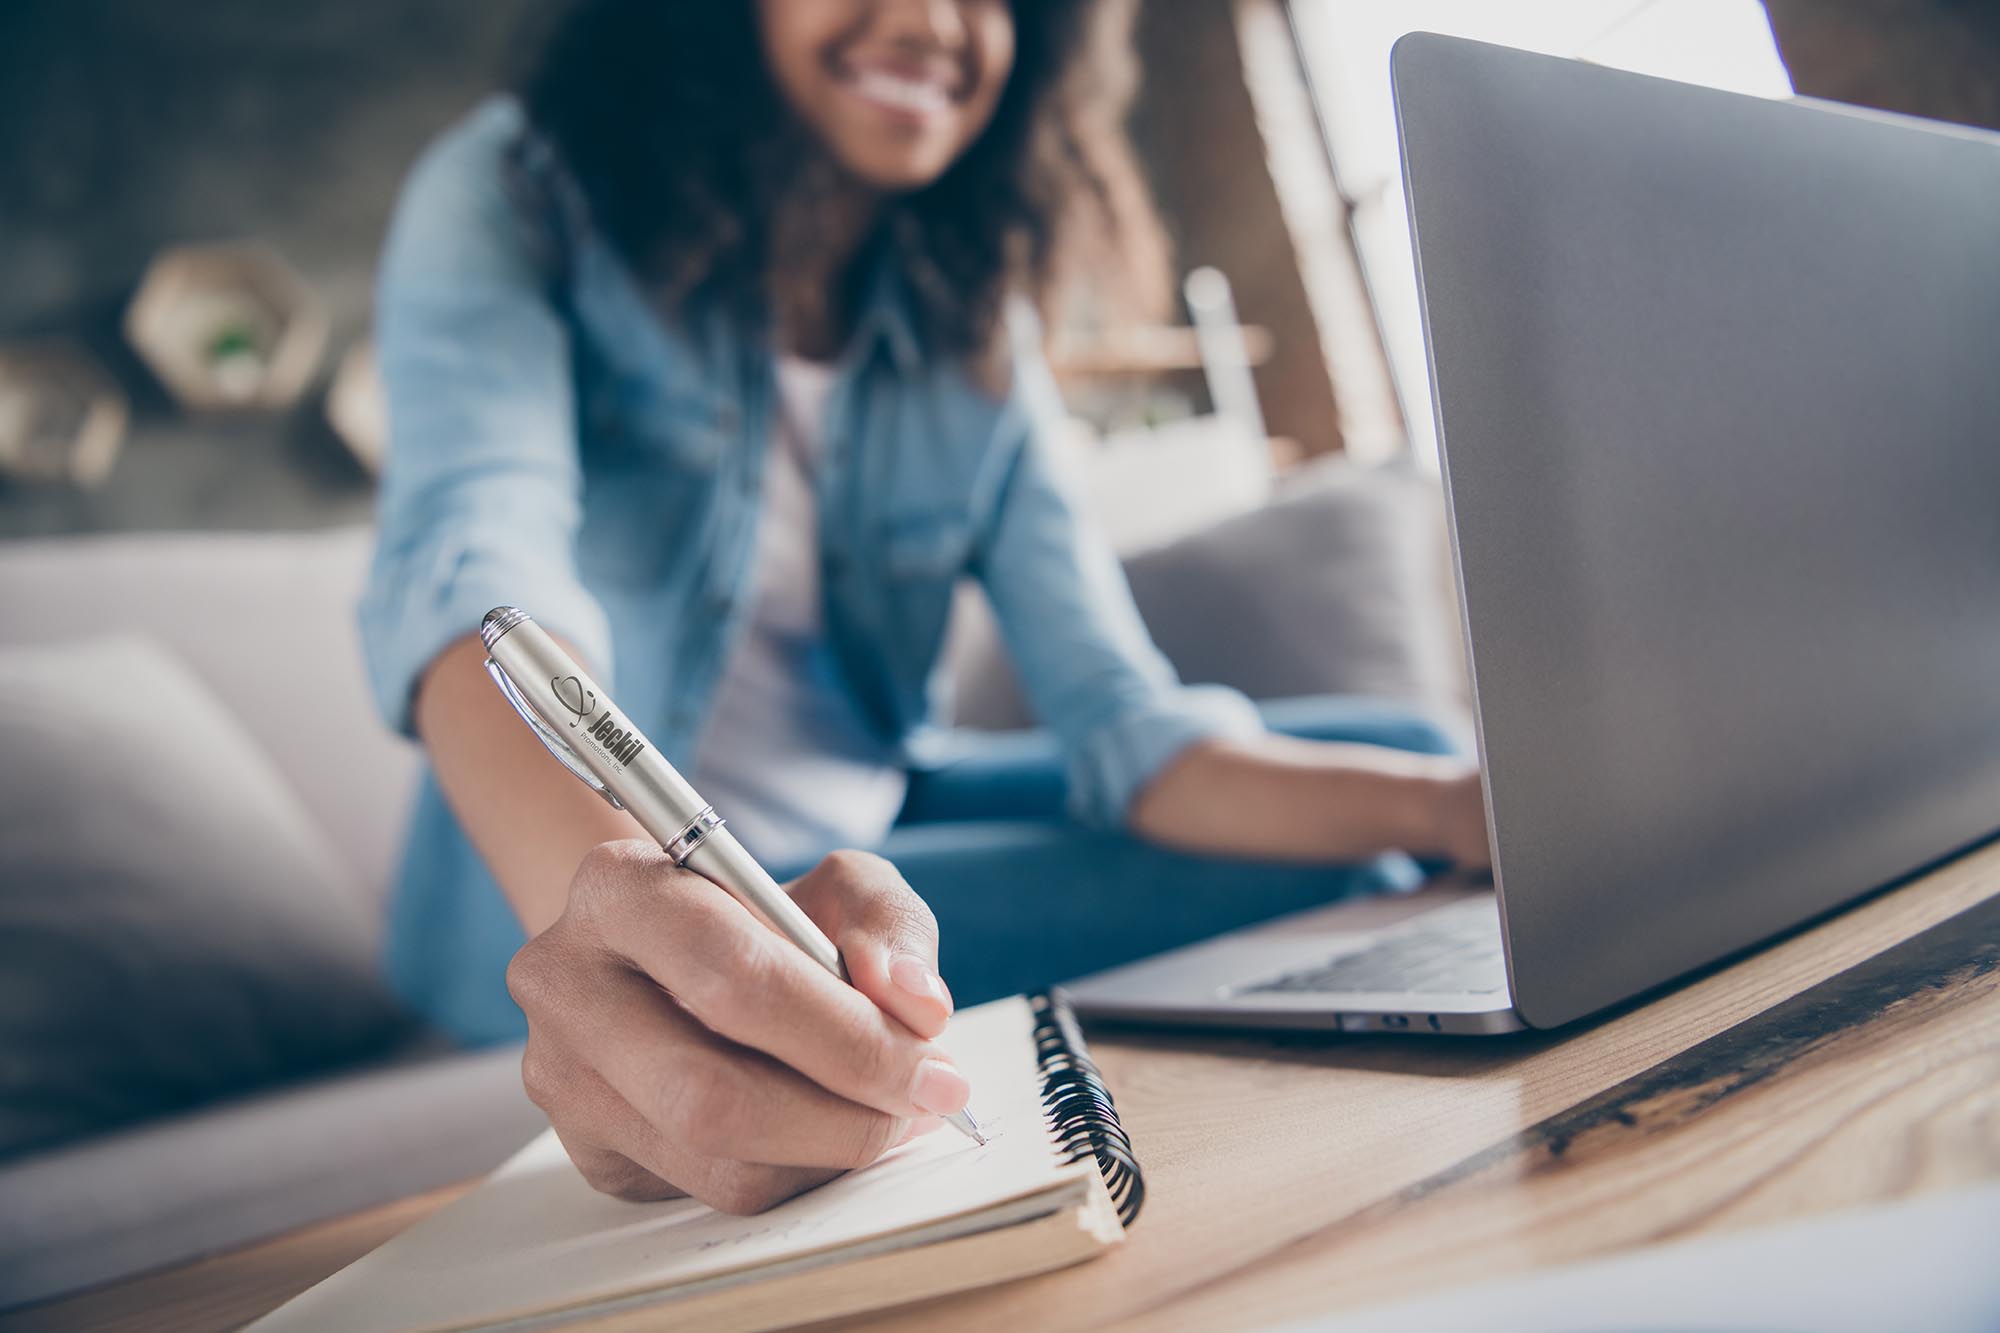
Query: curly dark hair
[666, 116]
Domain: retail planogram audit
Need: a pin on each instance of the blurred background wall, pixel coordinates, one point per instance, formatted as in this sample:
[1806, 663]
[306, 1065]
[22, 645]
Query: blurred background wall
[129, 125]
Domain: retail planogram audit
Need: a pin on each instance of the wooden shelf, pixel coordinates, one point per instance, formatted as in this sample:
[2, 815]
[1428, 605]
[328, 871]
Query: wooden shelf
[1143, 351]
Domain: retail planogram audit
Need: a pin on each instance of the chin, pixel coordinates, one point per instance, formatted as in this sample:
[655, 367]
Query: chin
[896, 174]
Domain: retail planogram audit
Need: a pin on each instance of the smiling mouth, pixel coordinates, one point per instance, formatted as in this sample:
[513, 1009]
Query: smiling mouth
[902, 94]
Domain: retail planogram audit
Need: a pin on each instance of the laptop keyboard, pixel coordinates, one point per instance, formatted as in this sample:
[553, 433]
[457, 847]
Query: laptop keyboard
[1452, 951]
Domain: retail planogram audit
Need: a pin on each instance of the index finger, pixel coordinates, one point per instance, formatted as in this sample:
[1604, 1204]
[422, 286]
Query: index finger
[745, 982]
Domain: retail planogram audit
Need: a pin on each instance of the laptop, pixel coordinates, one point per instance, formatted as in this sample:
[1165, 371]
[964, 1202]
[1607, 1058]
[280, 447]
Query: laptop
[1717, 386]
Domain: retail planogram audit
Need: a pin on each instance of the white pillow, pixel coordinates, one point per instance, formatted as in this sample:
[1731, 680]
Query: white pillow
[173, 928]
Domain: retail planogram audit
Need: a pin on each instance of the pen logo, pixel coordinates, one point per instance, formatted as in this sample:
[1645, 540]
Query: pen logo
[621, 744]
[570, 693]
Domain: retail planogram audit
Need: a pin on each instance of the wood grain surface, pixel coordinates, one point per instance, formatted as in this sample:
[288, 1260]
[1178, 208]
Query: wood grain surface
[1880, 1083]
[1855, 1061]
[1263, 1158]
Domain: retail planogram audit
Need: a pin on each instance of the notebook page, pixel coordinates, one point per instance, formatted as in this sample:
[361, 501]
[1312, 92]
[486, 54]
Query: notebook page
[536, 1237]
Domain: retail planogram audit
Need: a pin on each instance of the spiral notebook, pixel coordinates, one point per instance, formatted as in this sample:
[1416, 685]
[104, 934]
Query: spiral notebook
[535, 1246]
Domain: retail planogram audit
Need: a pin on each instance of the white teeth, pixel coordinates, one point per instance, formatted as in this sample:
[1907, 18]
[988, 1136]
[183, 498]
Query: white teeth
[921, 96]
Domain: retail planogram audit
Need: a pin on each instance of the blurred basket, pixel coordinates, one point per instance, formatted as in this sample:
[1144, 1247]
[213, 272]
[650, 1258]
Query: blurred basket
[62, 418]
[227, 327]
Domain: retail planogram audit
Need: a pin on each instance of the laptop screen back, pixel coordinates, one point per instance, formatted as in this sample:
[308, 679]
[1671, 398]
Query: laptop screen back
[1718, 395]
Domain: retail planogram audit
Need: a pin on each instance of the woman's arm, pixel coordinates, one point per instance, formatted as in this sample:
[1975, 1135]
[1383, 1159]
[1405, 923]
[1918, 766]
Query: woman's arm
[1280, 798]
[529, 817]
[1190, 768]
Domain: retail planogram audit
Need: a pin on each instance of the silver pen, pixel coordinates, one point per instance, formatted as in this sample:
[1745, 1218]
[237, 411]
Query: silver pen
[575, 719]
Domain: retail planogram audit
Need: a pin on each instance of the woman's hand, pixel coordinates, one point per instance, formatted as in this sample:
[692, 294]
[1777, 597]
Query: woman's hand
[1280, 798]
[681, 1046]
[1460, 816]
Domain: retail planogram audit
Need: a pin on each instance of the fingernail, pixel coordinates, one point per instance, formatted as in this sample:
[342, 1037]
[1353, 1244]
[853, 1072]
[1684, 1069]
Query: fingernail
[939, 1089]
[912, 974]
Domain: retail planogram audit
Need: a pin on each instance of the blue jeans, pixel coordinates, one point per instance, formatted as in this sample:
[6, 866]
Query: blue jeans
[1024, 897]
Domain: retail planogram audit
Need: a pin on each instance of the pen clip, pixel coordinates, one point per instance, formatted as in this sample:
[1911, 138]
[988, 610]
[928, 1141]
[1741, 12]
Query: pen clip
[555, 744]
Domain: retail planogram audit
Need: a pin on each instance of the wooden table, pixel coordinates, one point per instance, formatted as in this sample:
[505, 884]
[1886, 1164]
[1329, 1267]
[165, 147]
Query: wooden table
[1855, 1062]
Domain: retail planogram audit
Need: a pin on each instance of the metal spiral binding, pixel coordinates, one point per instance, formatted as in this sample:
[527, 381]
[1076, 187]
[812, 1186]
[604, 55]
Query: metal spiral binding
[1079, 1106]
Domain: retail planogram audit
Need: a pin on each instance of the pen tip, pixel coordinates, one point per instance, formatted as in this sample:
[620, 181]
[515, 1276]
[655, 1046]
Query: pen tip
[963, 1122]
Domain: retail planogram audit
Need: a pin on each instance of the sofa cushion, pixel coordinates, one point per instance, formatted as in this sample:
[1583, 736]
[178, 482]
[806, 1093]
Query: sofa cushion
[172, 926]
[266, 621]
[1340, 585]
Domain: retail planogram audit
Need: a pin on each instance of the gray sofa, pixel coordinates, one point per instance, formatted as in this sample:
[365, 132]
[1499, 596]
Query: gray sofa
[263, 621]
[1337, 585]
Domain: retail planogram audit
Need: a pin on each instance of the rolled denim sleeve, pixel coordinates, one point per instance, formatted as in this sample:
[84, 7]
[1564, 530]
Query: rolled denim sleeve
[481, 491]
[1084, 657]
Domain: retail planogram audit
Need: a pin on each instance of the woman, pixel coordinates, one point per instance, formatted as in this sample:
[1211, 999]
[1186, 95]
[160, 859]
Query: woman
[699, 350]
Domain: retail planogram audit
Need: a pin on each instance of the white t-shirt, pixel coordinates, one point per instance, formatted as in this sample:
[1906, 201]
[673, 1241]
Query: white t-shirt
[786, 756]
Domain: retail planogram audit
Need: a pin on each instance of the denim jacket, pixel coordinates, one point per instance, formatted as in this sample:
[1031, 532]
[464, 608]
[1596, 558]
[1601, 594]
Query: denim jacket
[561, 445]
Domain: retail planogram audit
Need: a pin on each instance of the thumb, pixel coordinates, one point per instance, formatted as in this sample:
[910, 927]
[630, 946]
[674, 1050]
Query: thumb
[885, 933]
